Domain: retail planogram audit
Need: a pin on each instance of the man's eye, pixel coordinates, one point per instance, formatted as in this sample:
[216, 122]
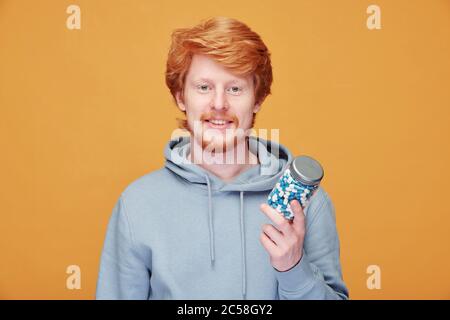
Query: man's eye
[203, 87]
[235, 90]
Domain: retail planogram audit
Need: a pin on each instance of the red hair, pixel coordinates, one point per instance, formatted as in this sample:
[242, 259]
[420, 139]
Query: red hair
[227, 41]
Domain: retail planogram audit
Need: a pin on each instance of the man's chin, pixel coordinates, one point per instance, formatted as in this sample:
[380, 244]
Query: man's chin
[219, 144]
[219, 141]
[219, 149]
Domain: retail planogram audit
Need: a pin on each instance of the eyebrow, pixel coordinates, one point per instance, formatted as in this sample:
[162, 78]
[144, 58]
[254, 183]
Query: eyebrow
[229, 82]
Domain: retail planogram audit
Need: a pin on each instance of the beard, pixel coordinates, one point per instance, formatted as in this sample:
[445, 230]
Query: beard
[216, 143]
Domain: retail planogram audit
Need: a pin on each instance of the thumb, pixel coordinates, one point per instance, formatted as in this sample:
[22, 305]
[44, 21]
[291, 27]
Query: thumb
[297, 208]
[299, 216]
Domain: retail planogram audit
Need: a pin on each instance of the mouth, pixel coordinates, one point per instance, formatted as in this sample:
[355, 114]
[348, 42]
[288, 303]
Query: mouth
[219, 123]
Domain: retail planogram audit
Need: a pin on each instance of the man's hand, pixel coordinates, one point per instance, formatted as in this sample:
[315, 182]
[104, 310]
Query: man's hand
[284, 241]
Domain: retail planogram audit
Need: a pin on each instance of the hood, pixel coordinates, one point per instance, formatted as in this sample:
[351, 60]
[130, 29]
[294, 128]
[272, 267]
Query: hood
[273, 159]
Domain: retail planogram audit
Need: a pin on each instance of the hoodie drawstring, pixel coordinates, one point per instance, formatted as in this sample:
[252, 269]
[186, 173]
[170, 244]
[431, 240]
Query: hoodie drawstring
[211, 234]
[244, 266]
[211, 229]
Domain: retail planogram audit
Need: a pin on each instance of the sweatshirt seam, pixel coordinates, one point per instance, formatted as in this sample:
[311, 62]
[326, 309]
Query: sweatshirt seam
[127, 219]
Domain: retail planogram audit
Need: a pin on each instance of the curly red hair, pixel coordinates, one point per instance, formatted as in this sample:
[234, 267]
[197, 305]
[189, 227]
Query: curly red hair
[227, 41]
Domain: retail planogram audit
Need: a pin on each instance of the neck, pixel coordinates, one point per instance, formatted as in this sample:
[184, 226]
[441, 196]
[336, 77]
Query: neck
[225, 170]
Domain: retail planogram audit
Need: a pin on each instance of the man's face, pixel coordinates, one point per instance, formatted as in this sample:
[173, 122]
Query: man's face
[217, 102]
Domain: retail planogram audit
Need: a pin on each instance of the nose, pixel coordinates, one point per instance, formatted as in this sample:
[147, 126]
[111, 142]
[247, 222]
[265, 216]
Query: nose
[220, 101]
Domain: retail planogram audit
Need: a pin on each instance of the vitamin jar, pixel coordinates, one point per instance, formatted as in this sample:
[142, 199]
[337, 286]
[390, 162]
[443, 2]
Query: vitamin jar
[299, 181]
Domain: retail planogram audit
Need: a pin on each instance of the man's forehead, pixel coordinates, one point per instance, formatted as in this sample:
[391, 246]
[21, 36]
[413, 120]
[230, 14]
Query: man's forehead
[204, 68]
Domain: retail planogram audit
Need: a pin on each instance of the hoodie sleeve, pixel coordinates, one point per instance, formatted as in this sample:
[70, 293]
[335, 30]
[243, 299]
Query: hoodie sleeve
[123, 273]
[318, 275]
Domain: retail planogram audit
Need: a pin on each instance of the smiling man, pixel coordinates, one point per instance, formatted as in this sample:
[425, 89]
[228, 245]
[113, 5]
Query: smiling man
[199, 227]
[219, 107]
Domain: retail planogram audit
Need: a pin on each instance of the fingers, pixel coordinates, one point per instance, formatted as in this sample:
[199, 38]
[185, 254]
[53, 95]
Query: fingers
[299, 217]
[267, 243]
[273, 233]
[297, 208]
[280, 222]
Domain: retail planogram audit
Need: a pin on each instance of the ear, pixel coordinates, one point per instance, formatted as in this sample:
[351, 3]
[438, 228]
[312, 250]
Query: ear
[180, 102]
[256, 108]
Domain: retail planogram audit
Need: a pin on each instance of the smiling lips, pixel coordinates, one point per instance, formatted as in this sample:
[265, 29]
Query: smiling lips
[218, 123]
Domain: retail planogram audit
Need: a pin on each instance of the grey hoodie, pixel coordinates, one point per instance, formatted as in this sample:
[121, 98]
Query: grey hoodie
[183, 233]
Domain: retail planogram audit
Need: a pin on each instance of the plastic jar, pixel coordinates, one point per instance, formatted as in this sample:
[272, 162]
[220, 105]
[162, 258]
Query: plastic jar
[299, 181]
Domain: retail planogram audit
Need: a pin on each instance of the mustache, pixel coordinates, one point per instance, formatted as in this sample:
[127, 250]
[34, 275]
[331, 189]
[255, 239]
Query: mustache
[215, 115]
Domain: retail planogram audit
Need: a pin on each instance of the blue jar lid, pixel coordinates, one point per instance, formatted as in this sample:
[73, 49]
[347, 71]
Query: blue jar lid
[306, 170]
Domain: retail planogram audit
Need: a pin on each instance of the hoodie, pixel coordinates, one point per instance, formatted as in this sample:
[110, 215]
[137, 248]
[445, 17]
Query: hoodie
[183, 233]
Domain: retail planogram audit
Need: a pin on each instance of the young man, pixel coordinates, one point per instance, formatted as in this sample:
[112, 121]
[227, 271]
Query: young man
[199, 228]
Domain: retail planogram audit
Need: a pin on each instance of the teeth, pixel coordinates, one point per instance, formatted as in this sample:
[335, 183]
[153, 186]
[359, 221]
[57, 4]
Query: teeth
[218, 122]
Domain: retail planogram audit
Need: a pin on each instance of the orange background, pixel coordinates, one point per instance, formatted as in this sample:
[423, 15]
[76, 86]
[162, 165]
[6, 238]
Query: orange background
[85, 112]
